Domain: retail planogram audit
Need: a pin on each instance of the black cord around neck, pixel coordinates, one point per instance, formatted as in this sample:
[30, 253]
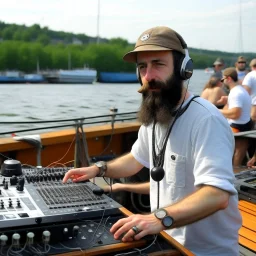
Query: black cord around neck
[158, 160]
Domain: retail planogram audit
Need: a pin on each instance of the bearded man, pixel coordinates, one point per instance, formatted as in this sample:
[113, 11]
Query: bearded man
[188, 147]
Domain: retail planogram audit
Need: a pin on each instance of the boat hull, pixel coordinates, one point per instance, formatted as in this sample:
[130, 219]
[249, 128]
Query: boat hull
[117, 77]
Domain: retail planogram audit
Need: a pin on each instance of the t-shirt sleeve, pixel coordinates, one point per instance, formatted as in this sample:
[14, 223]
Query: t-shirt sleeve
[247, 80]
[235, 99]
[211, 140]
[140, 149]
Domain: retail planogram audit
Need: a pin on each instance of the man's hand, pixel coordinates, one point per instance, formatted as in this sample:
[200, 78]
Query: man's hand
[81, 174]
[146, 224]
[223, 100]
[251, 162]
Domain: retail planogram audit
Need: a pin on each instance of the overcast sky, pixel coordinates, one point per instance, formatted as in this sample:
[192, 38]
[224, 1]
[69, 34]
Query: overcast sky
[205, 24]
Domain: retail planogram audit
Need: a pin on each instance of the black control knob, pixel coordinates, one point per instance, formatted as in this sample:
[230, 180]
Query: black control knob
[13, 180]
[75, 231]
[6, 185]
[18, 203]
[65, 233]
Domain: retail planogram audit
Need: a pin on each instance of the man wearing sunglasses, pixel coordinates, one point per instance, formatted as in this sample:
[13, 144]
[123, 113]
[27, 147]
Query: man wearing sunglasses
[241, 68]
[237, 112]
[249, 84]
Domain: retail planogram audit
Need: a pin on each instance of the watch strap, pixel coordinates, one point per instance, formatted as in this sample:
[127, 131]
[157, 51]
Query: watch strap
[102, 168]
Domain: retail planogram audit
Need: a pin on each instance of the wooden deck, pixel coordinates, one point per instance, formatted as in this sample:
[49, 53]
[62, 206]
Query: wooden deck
[247, 233]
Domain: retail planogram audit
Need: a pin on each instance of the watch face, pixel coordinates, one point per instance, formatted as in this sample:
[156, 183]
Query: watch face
[167, 221]
[161, 213]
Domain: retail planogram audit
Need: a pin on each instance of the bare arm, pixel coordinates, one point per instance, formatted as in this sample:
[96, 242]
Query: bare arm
[232, 113]
[124, 166]
[202, 203]
[139, 188]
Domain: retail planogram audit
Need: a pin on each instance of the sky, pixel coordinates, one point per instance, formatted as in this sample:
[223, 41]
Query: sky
[225, 25]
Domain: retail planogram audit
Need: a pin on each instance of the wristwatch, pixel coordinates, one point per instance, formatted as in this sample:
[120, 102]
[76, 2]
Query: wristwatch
[166, 220]
[102, 167]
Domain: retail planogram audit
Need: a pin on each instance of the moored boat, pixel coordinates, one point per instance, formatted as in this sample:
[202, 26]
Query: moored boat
[117, 77]
[76, 76]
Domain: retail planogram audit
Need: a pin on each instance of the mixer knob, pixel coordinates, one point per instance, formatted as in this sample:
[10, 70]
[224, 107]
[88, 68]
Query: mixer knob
[53, 176]
[6, 185]
[10, 204]
[19, 188]
[45, 177]
[30, 238]
[18, 203]
[13, 180]
[46, 236]
[16, 240]
[65, 233]
[2, 204]
[36, 178]
[21, 181]
[3, 181]
[75, 231]
[41, 177]
[3, 240]
[49, 177]
[28, 177]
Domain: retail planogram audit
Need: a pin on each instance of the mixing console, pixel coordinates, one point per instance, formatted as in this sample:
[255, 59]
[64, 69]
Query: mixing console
[39, 215]
[245, 184]
[38, 196]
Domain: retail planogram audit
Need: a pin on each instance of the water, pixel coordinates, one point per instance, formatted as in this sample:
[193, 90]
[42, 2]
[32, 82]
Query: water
[32, 102]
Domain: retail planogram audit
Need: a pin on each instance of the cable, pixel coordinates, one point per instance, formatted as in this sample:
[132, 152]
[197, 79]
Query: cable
[64, 154]
[138, 250]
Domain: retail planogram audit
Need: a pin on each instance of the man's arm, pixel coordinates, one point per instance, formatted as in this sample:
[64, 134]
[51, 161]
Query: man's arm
[121, 167]
[202, 203]
[232, 113]
[139, 188]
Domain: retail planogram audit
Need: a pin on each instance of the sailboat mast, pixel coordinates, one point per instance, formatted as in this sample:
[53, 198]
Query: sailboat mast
[98, 23]
[240, 39]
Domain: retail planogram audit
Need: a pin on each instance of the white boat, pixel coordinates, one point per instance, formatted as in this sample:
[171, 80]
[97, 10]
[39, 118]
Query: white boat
[209, 71]
[75, 76]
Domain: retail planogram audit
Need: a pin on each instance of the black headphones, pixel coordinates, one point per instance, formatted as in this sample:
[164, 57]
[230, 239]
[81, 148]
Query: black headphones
[185, 68]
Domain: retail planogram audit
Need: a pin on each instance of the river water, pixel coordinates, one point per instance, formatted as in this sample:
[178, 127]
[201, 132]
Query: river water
[35, 102]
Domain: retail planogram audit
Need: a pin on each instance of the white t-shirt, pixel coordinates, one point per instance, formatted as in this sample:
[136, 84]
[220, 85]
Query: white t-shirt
[199, 151]
[250, 81]
[239, 98]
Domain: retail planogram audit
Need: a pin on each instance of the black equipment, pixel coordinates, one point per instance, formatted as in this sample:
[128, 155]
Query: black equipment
[245, 184]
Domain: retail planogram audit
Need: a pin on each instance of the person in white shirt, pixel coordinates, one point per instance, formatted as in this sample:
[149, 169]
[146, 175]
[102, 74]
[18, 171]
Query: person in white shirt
[249, 84]
[241, 68]
[187, 145]
[237, 112]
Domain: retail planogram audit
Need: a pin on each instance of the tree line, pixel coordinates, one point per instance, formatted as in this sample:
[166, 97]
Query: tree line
[23, 48]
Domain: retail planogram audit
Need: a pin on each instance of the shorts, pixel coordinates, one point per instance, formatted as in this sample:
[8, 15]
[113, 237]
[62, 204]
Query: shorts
[241, 127]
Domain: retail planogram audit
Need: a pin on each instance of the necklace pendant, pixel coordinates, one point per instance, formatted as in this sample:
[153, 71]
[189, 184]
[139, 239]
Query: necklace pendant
[157, 173]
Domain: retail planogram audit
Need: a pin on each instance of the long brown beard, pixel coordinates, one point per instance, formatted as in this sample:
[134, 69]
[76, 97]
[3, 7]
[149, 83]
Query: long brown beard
[159, 106]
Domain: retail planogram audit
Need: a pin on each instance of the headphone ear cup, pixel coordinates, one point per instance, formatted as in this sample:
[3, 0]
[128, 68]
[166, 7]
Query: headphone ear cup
[138, 76]
[186, 69]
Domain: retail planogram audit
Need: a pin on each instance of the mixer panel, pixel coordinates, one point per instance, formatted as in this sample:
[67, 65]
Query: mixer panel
[38, 196]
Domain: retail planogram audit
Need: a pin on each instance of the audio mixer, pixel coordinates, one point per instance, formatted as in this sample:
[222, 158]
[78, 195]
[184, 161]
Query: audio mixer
[36, 207]
[245, 184]
[39, 215]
